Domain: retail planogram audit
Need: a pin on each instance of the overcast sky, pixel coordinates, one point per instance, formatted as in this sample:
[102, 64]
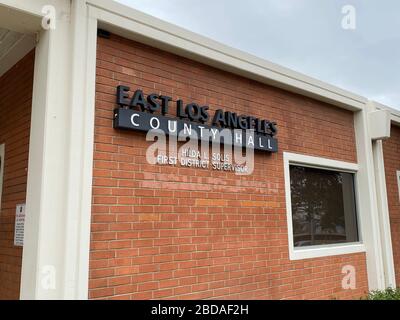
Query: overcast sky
[303, 35]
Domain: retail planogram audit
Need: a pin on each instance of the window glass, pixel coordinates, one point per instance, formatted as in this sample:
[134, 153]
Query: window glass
[323, 206]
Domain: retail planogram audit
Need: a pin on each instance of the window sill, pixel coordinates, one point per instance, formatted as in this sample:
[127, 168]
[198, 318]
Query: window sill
[325, 251]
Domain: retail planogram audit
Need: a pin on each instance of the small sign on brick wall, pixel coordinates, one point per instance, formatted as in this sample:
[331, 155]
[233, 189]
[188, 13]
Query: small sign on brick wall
[19, 225]
[398, 181]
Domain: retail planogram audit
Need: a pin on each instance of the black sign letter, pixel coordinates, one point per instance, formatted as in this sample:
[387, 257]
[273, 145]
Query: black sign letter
[122, 96]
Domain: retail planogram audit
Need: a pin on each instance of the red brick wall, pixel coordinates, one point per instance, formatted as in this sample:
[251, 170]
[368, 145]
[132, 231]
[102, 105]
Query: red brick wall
[174, 232]
[391, 152]
[15, 116]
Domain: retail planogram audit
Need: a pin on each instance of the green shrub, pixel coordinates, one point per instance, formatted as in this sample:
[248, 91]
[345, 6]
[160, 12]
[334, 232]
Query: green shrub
[387, 294]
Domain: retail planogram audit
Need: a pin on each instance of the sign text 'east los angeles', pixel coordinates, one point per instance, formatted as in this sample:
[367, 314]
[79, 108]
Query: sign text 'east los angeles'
[146, 113]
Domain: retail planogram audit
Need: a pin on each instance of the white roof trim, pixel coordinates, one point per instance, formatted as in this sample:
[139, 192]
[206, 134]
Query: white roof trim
[133, 24]
[394, 114]
[19, 50]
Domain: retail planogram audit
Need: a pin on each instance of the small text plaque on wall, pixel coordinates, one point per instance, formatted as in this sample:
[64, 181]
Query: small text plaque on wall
[19, 225]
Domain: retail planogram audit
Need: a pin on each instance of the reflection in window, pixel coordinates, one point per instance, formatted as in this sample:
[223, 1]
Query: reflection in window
[323, 206]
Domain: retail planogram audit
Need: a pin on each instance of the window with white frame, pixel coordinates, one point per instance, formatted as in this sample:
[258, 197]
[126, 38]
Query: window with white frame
[321, 206]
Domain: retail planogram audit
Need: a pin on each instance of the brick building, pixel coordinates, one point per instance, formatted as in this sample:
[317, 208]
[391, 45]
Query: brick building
[313, 215]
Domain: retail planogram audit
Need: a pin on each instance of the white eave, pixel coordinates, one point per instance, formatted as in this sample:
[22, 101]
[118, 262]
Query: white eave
[394, 114]
[13, 47]
[135, 25]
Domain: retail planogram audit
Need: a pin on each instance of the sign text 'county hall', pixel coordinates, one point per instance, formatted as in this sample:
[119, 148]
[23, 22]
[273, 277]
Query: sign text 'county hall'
[141, 113]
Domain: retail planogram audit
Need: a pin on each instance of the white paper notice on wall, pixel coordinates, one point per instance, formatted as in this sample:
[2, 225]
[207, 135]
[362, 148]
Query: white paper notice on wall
[398, 181]
[19, 225]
